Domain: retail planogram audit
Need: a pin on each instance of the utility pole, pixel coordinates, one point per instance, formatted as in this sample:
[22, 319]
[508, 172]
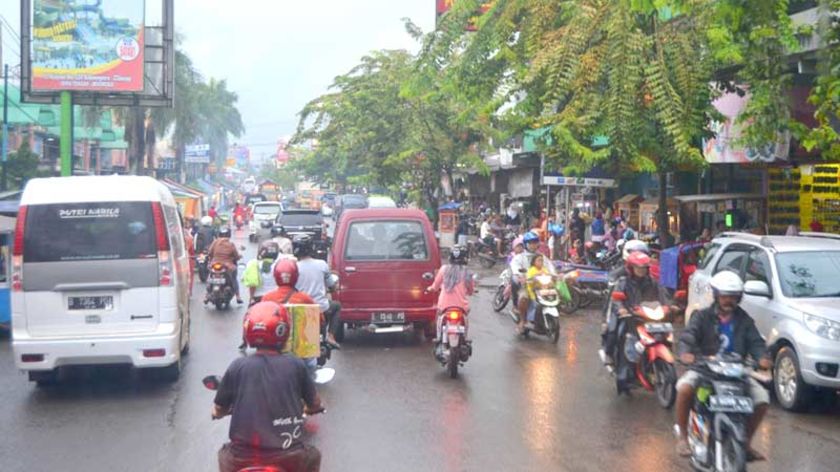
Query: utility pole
[66, 144]
[5, 125]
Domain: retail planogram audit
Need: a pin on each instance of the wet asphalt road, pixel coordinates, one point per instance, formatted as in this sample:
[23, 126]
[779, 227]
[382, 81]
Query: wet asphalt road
[518, 405]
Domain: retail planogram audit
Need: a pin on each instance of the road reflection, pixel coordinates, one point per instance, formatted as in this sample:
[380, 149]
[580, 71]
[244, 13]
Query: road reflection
[542, 394]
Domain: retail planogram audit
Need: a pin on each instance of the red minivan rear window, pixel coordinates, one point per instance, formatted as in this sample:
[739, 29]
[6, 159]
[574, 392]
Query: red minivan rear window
[386, 240]
[89, 232]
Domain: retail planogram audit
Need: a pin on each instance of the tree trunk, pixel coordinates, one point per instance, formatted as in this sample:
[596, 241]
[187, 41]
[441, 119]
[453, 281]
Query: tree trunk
[662, 214]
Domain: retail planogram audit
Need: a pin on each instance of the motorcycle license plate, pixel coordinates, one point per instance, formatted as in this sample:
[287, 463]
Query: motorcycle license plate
[656, 328]
[730, 404]
[388, 317]
[217, 280]
[455, 329]
[90, 303]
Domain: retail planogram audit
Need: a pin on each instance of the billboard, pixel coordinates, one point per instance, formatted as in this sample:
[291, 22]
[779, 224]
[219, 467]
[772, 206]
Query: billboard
[723, 146]
[197, 154]
[94, 45]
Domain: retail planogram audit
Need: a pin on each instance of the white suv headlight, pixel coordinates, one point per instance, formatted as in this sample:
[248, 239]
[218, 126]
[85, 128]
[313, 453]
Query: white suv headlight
[823, 327]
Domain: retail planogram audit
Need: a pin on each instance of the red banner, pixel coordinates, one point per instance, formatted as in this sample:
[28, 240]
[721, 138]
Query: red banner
[444, 6]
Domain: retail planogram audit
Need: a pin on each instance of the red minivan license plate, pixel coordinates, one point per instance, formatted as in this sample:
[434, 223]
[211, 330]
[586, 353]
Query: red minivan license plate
[388, 317]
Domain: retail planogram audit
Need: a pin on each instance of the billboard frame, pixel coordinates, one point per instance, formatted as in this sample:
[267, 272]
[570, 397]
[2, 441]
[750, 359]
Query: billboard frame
[158, 67]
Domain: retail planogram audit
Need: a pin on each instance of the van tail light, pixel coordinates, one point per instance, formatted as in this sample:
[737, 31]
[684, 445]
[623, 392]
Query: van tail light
[164, 257]
[17, 251]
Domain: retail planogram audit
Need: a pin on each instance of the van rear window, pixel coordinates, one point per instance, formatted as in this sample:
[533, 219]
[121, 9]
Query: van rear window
[386, 240]
[89, 232]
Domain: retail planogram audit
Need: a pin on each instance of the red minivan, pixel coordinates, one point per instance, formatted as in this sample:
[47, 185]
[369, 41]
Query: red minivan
[385, 259]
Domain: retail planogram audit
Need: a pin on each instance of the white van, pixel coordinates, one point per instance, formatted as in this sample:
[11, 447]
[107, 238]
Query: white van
[100, 275]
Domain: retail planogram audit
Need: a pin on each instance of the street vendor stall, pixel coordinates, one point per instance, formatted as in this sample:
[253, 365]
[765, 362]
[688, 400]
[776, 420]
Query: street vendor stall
[628, 207]
[448, 224]
[190, 201]
[648, 223]
[270, 189]
[727, 211]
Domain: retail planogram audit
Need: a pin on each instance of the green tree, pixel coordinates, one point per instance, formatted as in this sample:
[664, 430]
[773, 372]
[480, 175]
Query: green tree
[826, 95]
[635, 71]
[22, 165]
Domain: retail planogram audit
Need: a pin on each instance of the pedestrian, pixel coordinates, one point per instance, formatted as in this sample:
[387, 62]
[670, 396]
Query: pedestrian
[578, 226]
[598, 228]
[189, 242]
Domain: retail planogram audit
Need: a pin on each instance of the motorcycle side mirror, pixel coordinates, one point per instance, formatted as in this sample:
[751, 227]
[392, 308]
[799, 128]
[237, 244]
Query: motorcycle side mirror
[211, 382]
[324, 375]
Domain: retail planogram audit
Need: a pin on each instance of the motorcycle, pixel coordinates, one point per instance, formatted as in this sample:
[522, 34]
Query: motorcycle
[503, 291]
[453, 347]
[547, 317]
[586, 288]
[718, 417]
[220, 287]
[643, 352]
[322, 376]
[239, 221]
[487, 254]
[201, 262]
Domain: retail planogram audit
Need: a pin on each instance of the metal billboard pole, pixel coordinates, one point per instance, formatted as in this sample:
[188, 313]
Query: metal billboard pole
[66, 141]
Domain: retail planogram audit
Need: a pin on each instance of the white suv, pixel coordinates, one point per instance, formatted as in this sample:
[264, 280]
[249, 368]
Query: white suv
[792, 291]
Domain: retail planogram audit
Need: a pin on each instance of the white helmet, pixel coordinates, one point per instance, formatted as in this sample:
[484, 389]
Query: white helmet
[727, 282]
[632, 246]
[206, 221]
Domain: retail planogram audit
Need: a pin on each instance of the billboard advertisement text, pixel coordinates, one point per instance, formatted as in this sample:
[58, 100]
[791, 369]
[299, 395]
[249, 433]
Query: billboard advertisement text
[94, 45]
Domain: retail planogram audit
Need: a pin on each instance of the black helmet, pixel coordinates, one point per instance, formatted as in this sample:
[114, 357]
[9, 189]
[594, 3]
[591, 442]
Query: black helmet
[458, 255]
[302, 246]
[224, 232]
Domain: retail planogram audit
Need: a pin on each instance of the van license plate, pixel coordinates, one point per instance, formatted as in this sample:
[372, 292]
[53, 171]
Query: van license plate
[388, 317]
[90, 303]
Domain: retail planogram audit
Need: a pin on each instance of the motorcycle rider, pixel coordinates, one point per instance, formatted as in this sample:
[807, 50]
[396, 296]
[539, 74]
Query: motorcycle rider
[315, 279]
[637, 287]
[238, 212]
[724, 324]
[267, 394]
[519, 266]
[205, 235]
[455, 283]
[286, 276]
[224, 251]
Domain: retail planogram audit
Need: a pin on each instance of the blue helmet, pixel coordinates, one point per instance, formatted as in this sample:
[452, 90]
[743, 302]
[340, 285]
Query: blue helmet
[530, 237]
[556, 229]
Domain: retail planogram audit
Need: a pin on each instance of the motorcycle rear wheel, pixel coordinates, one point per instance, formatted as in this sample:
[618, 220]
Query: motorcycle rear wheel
[570, 306]
[486, 260]
[666, 381]
[452, 362]
[500, 301]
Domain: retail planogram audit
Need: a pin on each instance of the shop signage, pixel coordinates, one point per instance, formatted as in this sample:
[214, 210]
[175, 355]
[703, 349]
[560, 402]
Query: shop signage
[564, 181]
[197, 154]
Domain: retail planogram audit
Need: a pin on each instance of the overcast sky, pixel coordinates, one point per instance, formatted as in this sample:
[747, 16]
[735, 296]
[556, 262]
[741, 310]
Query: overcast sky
[279, 54]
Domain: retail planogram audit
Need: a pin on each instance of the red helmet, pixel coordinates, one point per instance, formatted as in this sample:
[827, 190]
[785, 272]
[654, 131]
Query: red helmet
[286, 273]
[637, 259]
[266, 325]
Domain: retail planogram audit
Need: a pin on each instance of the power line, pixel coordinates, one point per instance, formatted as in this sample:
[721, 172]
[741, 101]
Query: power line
[10, 27]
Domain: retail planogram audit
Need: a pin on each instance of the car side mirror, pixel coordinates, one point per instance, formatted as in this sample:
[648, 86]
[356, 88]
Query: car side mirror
[757, 288]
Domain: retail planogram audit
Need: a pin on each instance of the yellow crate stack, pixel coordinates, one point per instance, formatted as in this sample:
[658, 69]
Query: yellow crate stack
[783, 199]
[820, 196]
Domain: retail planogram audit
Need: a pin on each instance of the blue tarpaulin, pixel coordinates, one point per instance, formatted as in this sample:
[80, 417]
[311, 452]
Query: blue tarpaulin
[669, 267]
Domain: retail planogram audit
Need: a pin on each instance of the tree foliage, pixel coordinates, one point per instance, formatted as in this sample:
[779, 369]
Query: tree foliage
[826, 95]
[392, 121]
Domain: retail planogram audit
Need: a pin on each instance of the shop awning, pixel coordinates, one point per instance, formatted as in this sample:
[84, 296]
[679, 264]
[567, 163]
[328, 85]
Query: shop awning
[717, 197]
[628, 199]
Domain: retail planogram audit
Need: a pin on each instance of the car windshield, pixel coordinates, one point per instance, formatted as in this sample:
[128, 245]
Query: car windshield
[354, 201]
[301, 219]
[266, 209]
[387, 240]
[809, 274]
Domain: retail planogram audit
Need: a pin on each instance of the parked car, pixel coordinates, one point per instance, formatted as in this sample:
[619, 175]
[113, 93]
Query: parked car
[100, 275]
[792, 291]
[296, 222]
[385, 259]
[263, 216]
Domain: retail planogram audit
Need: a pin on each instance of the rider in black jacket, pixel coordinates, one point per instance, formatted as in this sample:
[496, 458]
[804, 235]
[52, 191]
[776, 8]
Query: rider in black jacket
[722, 327]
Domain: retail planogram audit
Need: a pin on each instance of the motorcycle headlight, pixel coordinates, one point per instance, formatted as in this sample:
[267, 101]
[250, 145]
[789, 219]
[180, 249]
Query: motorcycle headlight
[823, 327]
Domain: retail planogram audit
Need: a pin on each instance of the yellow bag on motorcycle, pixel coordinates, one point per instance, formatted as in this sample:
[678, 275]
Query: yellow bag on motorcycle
[251, 276]
[305, 338]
